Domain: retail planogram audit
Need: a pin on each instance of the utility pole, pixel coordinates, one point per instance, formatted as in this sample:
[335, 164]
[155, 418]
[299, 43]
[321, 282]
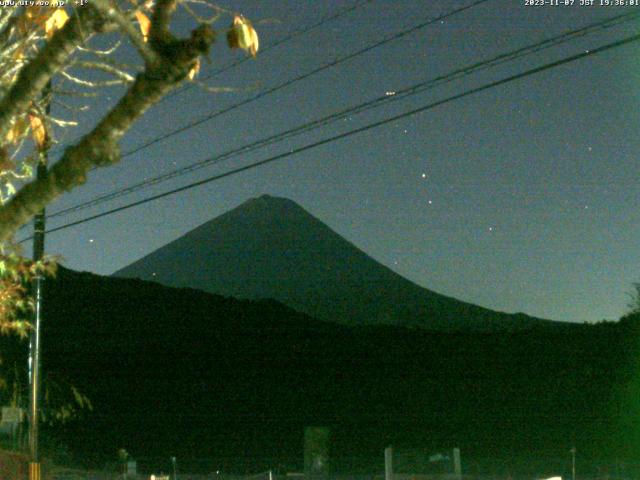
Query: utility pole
[38, 285]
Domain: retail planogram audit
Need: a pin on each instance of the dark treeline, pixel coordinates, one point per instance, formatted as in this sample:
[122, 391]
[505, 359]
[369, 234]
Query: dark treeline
[185, 373]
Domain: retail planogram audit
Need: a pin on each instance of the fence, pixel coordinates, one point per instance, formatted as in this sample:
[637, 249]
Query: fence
[14, 466]
[88, 475]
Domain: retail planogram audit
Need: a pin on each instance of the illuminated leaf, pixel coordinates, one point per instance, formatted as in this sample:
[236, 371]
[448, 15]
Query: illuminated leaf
[79, 398]
[19, 53]
[34, 16]
[243, 35]
[39, 17]
[145, 24]
[26, 170]
[17, 131]
[194, 70]
[56, 21]
[38, 131]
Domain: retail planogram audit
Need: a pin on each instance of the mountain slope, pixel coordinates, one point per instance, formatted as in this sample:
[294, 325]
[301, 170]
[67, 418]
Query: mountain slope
[272, 248]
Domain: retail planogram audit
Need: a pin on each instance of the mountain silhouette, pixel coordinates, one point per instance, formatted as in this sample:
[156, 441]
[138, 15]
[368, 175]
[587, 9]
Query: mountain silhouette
[271, 247]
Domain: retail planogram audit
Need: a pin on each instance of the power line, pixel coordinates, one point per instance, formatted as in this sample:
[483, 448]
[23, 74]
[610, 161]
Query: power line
[400, 94]
[304, 76]
[487, 86]
[264, 50]
[299, 78]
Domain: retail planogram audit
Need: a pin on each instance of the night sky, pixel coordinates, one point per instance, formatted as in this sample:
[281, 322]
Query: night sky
[521, 198]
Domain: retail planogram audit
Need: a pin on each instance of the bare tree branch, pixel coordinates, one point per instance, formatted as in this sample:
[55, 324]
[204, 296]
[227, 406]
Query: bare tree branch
[102, 53]
[93, 83]
[100, 147]
[106, 67]
[33, 78]
[160, 34]
[112, 12]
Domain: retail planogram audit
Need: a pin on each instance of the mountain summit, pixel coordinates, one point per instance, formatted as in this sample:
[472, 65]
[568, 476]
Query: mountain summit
[270, 247]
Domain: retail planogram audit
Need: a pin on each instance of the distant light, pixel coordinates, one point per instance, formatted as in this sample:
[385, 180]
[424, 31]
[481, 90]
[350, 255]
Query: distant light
[153, 274]
[390, 93]
[430, 202]
[91, 240]
[424, 175]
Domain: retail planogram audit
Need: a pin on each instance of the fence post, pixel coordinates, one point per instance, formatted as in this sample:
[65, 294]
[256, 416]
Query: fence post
[388, 463]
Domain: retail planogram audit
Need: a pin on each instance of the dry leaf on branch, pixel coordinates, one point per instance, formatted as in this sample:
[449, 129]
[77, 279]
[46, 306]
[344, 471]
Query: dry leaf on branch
[243, 35]
[38, 131]
[194, 70]
[17, 130]
[145, 24]
[55, 22]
